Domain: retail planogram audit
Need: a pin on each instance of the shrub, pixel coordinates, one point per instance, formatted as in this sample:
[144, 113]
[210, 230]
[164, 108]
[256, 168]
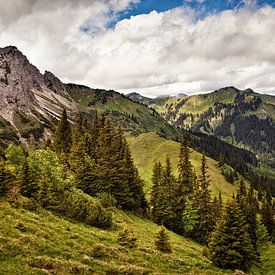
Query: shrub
[126, 237]
[162, 241]
[107, 200]
[81, 207]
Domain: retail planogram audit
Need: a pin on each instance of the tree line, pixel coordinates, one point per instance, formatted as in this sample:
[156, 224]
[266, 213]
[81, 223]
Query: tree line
[234, 232]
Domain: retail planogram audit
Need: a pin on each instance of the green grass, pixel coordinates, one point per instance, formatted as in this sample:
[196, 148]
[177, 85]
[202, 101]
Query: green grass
[42, 243]
[149, 147]
[195, 104]
[122, 109]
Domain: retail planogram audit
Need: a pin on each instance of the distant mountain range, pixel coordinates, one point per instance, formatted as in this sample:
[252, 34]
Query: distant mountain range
[243, 118]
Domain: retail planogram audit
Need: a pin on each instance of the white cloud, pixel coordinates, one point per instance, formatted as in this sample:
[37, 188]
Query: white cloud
[156, 53]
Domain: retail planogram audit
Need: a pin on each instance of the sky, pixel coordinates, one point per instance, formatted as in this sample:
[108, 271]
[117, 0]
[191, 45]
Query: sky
[154, 47]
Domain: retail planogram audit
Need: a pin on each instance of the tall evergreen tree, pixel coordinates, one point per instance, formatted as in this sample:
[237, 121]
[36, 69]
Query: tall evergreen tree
[156, 187]
[63, 138]
[185, 169]
[28, 187]
[134, 182]
[230, 244]
[202, 203]
[267, 218]
[247, 206]
[5, 180]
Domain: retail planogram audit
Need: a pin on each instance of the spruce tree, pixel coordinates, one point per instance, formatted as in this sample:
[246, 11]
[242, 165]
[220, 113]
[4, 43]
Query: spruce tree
[247, 206]
[28, 187]
[202, 203]
[267, 218]
[185, 170]
[156, 188]
[5, 180]
[62, 138]
[162, 241]
[230, 244]
[134, 182]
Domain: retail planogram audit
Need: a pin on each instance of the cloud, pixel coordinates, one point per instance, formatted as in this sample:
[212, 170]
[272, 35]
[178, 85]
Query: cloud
[156, 53]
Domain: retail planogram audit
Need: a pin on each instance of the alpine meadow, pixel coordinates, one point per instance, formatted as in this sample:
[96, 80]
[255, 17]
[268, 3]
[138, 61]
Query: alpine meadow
[150, 149]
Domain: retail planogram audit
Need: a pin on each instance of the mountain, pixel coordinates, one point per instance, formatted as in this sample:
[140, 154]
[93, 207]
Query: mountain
[140, 99]
[243, 118]
[135, 118]
[31, 103]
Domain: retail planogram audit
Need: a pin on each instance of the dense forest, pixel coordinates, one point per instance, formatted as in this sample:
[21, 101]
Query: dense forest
[87, 167]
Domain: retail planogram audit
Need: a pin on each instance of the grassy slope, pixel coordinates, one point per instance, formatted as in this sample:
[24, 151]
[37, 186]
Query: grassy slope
[149, 147]
[147, 119]
[196, 104]
[42, 243]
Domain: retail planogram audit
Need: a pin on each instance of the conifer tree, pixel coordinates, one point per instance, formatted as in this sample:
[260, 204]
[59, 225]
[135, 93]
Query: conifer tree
[156, 187]
[164, 200]
[202, 203]
[134, 182]
[185, 169]
[247, 206]
[28, 187]
[5, 180]
[230, 244]
[162, 241]
[267, 218]
[189, 218]
[62, 137]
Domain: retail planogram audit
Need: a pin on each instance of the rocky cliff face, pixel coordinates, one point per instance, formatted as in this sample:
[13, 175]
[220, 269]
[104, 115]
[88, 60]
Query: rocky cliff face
[24, 89]
[26, 94]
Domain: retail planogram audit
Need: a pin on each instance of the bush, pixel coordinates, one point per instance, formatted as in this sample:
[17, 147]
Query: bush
[162, 241]
[80, 207]
[126, 237]
[107, 200]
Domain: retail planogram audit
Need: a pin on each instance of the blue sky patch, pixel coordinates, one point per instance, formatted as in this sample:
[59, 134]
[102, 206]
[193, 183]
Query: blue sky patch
[202, 7]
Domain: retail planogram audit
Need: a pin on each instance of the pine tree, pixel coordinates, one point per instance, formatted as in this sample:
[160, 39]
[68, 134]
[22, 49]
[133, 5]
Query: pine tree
[247, 206]
[5, 181]
[62, 137]
[28, 187]
[189, 217]
[134, 182]
[156, 187]
[185, 170]
[202, 203]
[162, 241]
[164, 200]
[230, 244]
[267, 218]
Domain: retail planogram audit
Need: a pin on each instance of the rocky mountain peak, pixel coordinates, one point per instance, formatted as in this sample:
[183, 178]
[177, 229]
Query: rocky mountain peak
[24, 90]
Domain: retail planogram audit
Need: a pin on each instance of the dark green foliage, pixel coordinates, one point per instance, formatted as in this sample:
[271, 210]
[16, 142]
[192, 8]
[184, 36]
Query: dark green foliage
[126, 237]
[267, 218]
[230, 244]
[28, 187]
[80, 207]
[162, 241]
[5, 180]
[186, 177]
[63, 138]
[107, 200]
[102, 163]
[189, 217]
[204, 206]
[163, 199]
[246, 201]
